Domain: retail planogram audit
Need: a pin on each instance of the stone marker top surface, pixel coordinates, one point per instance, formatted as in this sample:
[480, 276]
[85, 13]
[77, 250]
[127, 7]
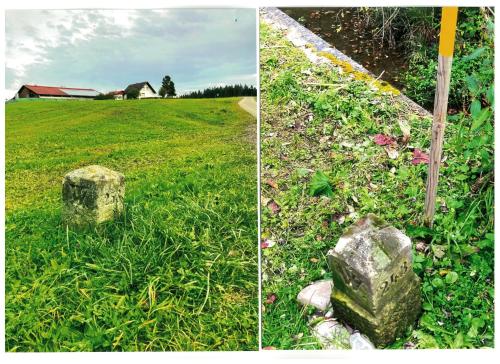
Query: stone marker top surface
[371, 246]
[93, 173]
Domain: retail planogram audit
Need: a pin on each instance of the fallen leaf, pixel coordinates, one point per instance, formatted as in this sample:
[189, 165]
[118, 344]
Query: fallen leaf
[419, 157]
[314, 260]
[421, 247]
[271, 297]
[275, 208]
[269, 348]
[382, 139]
[324, 139]
[444, 272]
[438, 250]
[272, 183]
[405, 129]
[267, 243]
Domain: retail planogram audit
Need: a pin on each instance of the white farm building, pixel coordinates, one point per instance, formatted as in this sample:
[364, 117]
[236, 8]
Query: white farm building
[145, 90]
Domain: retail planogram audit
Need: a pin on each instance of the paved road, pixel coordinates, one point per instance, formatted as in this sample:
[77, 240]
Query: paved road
[249, 104]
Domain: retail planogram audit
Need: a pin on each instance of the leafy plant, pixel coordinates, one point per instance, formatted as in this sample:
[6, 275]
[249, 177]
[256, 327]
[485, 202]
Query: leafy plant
[320, 185]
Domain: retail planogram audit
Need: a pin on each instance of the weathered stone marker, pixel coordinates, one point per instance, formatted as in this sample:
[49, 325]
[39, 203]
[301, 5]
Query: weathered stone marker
[92, 195]
[375, 289]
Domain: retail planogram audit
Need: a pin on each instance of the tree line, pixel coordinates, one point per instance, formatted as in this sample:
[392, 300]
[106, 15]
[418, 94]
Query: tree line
[222, 91]
[167, 89]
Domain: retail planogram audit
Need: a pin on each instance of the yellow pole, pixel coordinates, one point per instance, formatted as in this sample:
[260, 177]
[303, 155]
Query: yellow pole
[446, 44]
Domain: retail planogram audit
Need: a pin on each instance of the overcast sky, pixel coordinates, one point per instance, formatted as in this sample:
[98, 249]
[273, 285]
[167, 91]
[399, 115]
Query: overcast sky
[109, 49]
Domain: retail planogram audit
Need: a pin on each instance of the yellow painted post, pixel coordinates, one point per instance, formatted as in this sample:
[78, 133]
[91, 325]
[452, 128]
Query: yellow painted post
[446, 44]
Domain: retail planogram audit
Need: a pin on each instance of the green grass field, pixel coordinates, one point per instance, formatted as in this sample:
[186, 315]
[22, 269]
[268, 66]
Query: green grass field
[177, 272]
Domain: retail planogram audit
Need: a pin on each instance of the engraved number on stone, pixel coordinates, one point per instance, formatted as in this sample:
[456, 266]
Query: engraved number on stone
[350, 278]
[395, 277]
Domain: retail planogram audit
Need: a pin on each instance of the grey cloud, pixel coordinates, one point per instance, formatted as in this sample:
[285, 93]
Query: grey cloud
[196, 47]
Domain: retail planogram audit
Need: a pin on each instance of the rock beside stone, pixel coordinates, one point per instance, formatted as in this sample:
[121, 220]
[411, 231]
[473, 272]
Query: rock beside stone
[92, 195]
[360, 342]
[317, 294]
[332, 335]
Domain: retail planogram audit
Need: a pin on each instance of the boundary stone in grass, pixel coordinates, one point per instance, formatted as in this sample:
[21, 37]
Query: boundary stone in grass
[92, 195]
[375, 289]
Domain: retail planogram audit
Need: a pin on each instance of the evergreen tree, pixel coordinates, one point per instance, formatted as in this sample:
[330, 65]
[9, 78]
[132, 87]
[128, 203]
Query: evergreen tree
[223, 91]
[168, 86]
[162, 92]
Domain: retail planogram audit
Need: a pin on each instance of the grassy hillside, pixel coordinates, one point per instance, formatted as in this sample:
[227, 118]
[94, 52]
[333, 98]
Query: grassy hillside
[177, 272]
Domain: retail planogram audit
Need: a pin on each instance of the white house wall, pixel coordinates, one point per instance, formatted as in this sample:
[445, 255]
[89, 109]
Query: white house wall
[146, 91]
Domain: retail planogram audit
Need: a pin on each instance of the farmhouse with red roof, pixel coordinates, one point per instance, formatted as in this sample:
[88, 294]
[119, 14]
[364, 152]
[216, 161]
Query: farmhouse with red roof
[118, 94]
[51, 92]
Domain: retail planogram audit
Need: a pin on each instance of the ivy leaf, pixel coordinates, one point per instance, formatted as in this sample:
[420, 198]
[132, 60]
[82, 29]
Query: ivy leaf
[451, 277]
[474, 54]
[437, 282]
[425, 341]
[475, 108]
[472, 84]
[490, 95]
[320, 185]
[459, 341]
[481, 118]
[416, 231]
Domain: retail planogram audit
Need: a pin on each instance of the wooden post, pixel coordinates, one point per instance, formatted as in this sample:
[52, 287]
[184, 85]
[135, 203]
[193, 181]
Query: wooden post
[446, 44]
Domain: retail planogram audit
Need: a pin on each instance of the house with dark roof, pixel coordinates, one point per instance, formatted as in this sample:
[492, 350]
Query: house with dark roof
[53, 92]
[144, 88]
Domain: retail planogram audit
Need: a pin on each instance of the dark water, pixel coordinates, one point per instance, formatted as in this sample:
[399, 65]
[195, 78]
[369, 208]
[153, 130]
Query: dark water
[340, 27]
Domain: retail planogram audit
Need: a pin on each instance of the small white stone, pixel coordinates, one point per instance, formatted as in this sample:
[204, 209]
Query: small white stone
[392, 153]
[317, 294]
[331, 335]
[360, 342]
